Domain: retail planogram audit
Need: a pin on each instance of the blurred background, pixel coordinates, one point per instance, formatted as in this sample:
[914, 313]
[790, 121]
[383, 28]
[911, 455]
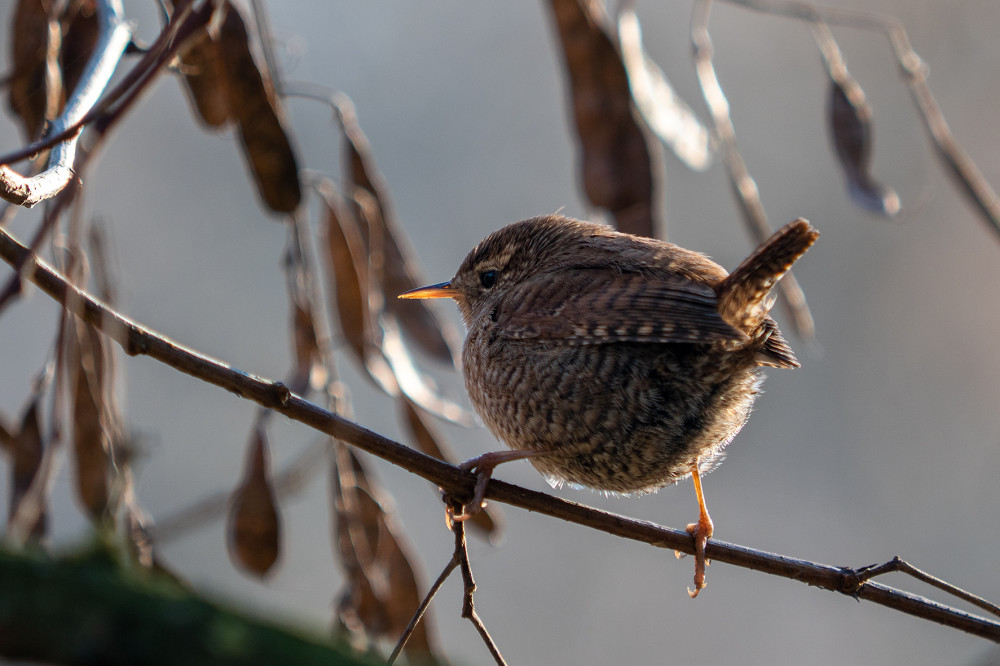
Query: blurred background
[886, 442]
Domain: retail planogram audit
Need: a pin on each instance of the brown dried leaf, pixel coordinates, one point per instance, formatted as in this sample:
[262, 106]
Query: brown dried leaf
[258, 113]
[616, 163]
[27, 451]
[851, 129]
[254, 523]
[205, 79]
[381, 590]
[306, 343]
[81, 34]
[426, 438]
[350, 271]
[72, 42]
[389, 248]
[29, 41]
[93, 421]
[347, 260]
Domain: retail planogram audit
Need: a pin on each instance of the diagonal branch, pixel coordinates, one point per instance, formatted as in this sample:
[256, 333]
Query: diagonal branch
[136, 339]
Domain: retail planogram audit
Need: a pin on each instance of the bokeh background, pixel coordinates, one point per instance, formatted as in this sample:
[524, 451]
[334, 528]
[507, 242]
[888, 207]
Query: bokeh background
[886, 442]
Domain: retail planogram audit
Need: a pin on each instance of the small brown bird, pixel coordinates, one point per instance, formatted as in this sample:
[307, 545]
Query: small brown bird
[612, 361]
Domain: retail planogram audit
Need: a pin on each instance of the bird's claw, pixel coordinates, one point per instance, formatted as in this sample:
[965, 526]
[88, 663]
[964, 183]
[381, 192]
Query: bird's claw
[701, 532]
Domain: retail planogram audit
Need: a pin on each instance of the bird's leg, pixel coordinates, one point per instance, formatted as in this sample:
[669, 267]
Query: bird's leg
[483, 467]
[702, 532]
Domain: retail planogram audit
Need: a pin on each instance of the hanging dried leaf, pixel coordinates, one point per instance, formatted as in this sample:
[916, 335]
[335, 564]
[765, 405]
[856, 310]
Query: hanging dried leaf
[380, 588]
[254, 523]
[347, 259]
[93, 418]
[81, 35]
[424, 436]
[67, 44]
[351, 275]
[29, 41]
[258, 113]
[205, 79]
[27, 451]
[306, 344]
[616, 164]
[851, 129]
[390, 249]
[665, 113]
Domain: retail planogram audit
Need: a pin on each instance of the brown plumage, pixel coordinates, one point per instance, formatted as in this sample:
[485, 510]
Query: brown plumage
[612, 361]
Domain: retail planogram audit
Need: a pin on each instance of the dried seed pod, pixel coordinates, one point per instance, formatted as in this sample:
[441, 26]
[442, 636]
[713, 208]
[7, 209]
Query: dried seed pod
[389, 250]
[27, 451]
[205, 79]
[93, 428]
[851, 129]
[381, 590]
[262, 132]
[29, 40]
[348, 264]
[254, 523]
[81, 34]
[616, 160]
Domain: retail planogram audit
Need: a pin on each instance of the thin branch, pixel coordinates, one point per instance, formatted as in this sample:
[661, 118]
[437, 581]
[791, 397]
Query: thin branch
[419, 614]
[135, 340]
[185, 21]
[744, 187]
[469, 587]
[958, 163]
[897, 564]
[114, 35]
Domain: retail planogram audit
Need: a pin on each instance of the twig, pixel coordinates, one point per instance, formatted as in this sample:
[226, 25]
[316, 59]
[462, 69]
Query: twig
[744, 187]
[184, 22]
[113, 37]
[13, 285]
[469, 585]
[136, 339]
[419, 614]
[897, 564]
[959, 165]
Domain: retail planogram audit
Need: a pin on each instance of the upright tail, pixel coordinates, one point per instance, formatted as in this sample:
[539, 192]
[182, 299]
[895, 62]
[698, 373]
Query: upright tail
[742, 295]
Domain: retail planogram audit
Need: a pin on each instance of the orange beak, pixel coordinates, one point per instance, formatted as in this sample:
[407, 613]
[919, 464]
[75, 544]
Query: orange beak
[440, 290]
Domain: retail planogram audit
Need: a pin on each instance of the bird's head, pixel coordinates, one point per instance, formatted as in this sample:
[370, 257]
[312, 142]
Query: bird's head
[520, 251]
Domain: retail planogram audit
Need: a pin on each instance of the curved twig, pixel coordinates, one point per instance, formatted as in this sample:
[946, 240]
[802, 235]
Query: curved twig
[136, 339]
[114, 35]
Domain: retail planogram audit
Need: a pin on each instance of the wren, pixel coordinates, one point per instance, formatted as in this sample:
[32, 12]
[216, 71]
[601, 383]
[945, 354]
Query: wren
[612, 361]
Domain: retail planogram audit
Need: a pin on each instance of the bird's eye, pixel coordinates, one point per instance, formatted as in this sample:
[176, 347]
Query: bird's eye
[488, 278]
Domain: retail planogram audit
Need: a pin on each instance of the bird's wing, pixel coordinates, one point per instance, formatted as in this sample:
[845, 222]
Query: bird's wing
[598, 305]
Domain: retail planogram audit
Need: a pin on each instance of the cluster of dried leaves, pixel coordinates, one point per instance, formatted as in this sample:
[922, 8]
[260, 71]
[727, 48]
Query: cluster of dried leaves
[620, 100]
[369, 262]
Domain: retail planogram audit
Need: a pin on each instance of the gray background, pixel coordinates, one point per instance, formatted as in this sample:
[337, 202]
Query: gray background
[884, 443]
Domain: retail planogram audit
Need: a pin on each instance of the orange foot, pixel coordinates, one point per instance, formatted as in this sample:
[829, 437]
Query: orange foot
[701, 532]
